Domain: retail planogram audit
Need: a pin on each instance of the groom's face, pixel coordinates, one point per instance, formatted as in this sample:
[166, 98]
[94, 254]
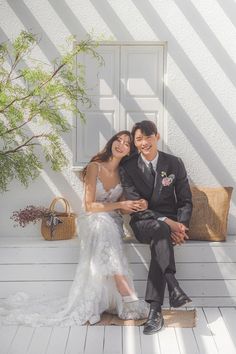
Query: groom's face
[146, 144]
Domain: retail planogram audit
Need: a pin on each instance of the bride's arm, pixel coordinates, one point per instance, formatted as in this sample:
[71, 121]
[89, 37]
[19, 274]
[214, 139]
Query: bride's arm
[90, 195]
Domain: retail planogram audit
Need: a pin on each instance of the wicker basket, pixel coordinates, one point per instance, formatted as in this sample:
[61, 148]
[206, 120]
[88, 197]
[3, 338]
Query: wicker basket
[210, 213]
[59, 225]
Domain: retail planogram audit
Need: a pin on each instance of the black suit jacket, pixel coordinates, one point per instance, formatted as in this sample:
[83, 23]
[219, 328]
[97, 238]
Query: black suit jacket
[173, 201]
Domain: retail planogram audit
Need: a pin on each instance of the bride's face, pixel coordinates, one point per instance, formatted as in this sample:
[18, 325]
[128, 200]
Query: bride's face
[121, 146]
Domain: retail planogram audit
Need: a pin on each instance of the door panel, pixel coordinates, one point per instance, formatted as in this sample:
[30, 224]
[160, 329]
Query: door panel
[102, 118]
[141, 94]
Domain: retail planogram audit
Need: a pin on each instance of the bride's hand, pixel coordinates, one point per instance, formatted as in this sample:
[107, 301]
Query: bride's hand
[131, 205]
[143, 204]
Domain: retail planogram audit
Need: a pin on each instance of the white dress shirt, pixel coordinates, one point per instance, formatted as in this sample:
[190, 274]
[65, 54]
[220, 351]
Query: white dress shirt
[154, 161]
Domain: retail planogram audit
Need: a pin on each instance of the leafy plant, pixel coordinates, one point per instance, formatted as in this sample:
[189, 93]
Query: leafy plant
[34, 102]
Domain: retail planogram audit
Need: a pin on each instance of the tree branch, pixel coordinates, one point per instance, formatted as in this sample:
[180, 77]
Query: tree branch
[30, 118]
[17, 77]
[19, 126]
[25, 144]
[32, 92]
[13, 67]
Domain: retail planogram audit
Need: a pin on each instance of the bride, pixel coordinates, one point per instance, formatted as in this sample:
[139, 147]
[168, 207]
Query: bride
[103, 280]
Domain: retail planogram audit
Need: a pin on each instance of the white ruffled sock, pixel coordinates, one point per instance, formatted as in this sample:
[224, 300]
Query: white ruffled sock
[130, 298]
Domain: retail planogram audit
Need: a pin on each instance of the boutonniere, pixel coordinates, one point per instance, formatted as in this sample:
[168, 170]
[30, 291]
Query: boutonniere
[167, 180]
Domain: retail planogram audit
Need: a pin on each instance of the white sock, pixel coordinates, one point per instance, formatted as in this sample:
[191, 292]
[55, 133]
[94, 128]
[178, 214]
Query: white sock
[130, 298]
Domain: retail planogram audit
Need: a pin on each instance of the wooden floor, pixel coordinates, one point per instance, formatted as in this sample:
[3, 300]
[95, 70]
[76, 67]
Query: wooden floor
[214, 333]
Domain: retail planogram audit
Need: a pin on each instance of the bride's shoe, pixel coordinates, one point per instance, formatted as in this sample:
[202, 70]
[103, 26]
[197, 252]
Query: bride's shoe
[133, 308]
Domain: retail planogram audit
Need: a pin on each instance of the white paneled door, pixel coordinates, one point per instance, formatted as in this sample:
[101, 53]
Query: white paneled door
[128, 88]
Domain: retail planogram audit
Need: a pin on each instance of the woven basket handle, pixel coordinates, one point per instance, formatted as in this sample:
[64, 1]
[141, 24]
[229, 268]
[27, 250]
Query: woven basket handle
[66, 204]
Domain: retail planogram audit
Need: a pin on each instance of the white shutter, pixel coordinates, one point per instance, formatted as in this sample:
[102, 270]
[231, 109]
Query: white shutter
[141, 84]
[102, 119]
[127, 89]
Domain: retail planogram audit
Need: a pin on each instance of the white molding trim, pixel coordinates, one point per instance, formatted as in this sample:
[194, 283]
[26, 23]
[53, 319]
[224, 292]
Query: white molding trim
[134, 43]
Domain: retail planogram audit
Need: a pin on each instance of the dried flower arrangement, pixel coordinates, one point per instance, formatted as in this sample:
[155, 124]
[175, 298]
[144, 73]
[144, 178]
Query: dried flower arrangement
[30, 214]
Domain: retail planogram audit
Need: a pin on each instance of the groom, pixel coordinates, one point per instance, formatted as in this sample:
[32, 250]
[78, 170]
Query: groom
[161, 180]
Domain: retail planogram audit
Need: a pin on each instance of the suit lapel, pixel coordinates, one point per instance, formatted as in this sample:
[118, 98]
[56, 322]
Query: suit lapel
[161, 166]
[145, 173]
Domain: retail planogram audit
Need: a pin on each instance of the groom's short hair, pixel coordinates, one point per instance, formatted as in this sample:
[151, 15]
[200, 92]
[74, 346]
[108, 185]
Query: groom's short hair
[147, 127]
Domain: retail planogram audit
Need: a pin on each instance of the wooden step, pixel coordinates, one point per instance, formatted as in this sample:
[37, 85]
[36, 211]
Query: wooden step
[206, 270]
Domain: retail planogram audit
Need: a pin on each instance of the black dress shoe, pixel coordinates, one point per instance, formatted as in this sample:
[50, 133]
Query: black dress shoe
[154, 322]
[178, 297]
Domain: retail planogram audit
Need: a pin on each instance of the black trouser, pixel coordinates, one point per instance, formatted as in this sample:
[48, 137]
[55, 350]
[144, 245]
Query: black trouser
[157, 234]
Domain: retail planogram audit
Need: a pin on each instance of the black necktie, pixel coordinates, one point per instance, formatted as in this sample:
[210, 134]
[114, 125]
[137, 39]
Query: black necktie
[152, 169]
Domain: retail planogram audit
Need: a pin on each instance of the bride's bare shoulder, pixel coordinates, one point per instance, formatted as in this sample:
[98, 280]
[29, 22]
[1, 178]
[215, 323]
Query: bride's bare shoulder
[94, 167]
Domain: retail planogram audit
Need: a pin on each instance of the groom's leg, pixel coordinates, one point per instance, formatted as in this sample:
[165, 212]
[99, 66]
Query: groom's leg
[156, 283]
[162, 248]
[157, 234]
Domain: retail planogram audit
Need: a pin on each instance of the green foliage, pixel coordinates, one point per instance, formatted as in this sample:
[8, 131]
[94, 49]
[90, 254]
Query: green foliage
[22, 165]
[34, 100]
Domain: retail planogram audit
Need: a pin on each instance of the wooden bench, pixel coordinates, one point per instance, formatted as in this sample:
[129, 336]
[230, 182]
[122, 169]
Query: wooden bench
[206, 270]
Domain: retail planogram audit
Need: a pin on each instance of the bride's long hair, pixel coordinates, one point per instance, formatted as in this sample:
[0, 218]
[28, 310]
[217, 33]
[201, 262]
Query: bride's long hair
[106, 153]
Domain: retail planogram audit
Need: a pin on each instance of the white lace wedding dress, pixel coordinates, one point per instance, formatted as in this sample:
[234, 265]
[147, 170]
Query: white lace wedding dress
[93, 291]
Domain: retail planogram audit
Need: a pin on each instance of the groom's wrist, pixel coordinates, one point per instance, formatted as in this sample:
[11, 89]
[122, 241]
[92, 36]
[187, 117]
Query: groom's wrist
[169, 222]
[162, 218]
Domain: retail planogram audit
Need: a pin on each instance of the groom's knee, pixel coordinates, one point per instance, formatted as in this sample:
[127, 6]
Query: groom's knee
[161, 232]
[164, 228]
[147, 231]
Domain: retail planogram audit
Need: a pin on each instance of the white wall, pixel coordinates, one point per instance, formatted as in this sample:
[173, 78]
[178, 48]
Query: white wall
[201, 76]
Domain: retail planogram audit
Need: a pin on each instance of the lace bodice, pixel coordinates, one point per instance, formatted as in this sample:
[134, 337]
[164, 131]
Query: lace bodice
[107, 196]
[110, 196]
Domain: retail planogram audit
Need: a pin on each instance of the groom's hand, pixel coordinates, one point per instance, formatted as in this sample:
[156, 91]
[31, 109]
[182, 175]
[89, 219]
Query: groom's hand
[130, 206]
[178, 231]
[143, 204]
[178, 238]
